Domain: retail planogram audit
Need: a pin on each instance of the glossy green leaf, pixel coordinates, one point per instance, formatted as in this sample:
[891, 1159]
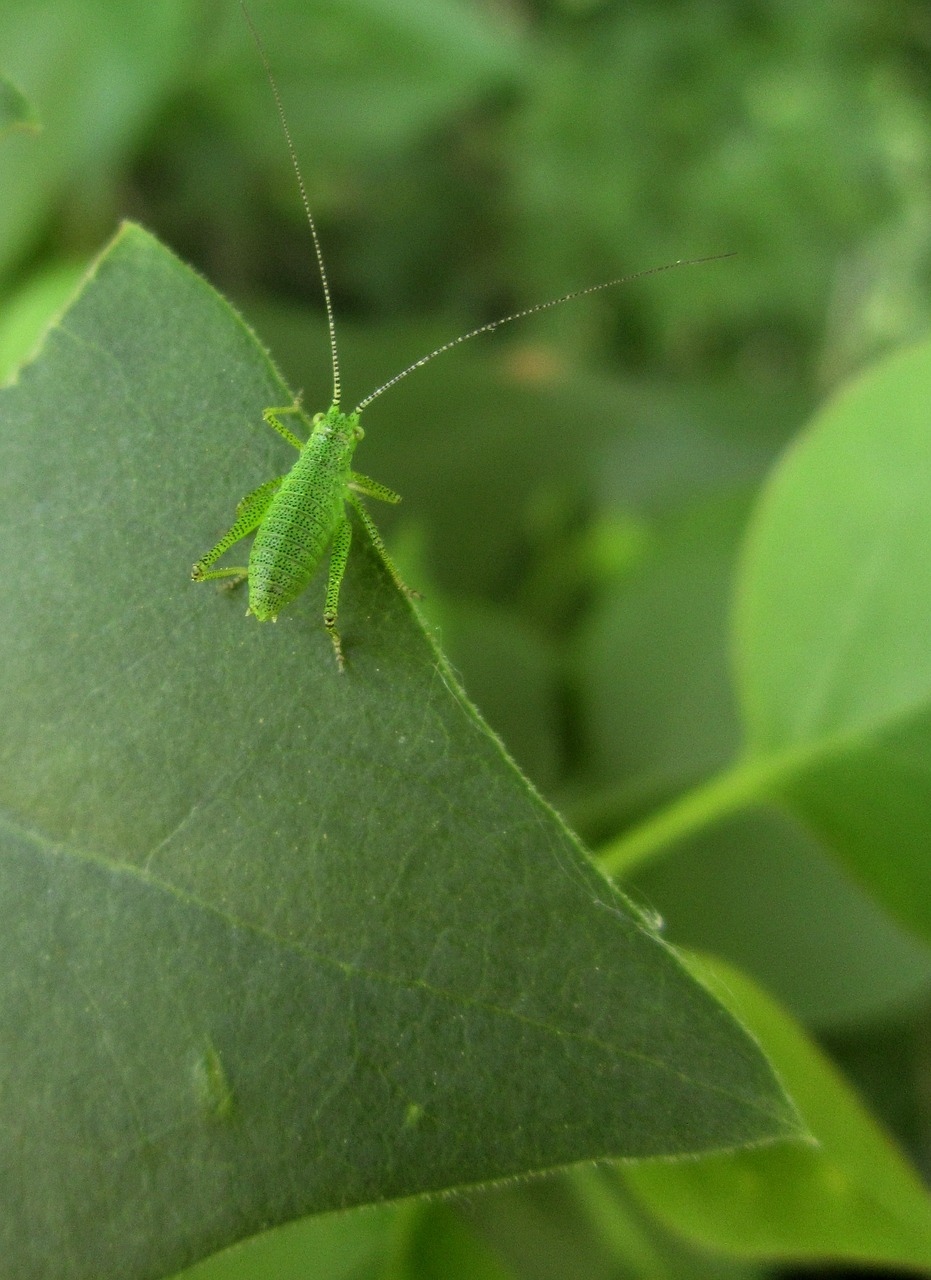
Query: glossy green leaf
[852, 1197]
[276, 940]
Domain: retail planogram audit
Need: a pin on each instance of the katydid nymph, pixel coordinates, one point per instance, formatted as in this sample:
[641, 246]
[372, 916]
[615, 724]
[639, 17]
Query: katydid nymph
[297, 516]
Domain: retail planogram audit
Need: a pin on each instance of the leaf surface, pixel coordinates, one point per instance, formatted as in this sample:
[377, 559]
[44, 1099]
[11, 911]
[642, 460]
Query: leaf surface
[276, 940]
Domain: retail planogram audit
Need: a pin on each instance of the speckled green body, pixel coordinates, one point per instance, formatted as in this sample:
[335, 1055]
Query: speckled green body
[301, 518]
[297, 516]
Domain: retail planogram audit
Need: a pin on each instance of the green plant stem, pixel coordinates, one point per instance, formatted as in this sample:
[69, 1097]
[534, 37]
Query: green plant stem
[744, 784]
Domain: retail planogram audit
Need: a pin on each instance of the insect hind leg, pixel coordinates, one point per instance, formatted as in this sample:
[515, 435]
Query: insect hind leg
[249, 513]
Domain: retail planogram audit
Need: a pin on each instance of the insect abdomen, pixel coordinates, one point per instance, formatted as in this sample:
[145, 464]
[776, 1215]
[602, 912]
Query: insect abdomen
[297, 527]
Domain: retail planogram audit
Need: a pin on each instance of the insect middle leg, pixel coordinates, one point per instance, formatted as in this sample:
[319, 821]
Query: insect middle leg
[364, 484]
[373, 533]
[249, 513]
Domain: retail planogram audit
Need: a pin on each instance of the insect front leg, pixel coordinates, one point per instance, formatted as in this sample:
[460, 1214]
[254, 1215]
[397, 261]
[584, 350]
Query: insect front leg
[249, 513]
[339, 556]
[271, 417]
[376, 537]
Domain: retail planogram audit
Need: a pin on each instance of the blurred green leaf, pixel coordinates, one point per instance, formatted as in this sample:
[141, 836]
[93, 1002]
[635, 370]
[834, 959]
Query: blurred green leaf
[96, 73]
[762, 893]
[652, 665]
[15, 111]
[583, 1224]
[758, 130]
[389, 71]
[511, 674]
[28, 312]
[276, 940]
[330, 1246]
[834, 603]
[833, 619]
[850, 1198]
[759, 890]
[441, 1246]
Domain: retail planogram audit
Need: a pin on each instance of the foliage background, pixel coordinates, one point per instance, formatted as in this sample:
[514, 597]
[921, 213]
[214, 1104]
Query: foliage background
[575, 488]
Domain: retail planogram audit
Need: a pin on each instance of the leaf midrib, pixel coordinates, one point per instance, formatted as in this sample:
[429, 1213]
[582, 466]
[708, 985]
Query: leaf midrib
[350, 970]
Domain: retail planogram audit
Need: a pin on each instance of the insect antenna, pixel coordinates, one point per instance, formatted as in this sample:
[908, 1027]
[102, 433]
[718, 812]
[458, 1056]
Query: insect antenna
[303, 190]
[529, 311]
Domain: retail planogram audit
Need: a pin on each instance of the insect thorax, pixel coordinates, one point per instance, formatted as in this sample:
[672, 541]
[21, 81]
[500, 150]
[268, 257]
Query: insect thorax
[341, 428]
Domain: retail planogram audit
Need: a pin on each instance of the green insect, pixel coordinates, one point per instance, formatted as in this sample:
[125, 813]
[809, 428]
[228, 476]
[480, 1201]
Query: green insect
[297, 516]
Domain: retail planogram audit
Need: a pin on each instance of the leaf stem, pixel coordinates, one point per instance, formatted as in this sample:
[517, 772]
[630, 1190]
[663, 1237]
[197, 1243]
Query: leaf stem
[745, 783]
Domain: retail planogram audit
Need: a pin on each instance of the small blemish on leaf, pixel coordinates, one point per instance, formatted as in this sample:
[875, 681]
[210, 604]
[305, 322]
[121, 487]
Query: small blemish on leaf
[213, 1089]
[413, 1115]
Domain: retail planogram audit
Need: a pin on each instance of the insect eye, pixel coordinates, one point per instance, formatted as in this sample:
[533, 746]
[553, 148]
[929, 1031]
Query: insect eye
[359, 433]
[318, 418]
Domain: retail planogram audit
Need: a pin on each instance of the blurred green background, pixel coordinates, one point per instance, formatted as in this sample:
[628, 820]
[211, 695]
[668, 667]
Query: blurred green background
[577, 486]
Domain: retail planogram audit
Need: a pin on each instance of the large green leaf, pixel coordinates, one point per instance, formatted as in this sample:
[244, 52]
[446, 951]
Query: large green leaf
[275, 940]
[850, 1197]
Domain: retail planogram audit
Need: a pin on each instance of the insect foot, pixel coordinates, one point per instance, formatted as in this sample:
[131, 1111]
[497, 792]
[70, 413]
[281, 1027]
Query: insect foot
[329, 621]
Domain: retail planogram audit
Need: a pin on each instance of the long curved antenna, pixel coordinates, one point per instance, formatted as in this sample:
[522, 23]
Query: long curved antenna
[529, 311]
[303, 190]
